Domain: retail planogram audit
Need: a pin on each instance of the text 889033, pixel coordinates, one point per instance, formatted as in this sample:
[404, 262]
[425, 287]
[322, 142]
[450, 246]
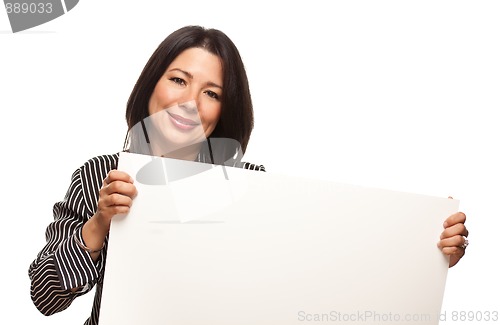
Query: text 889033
[28, 8]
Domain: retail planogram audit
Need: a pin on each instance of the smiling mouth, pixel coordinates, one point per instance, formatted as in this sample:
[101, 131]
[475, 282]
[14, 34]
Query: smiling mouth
[182, 122]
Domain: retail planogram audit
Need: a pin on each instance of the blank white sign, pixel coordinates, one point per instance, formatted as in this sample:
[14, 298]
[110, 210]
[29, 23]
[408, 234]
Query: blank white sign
[273, 250]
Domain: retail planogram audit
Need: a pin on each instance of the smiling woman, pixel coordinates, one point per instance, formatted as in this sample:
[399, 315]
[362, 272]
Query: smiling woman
[192, 92]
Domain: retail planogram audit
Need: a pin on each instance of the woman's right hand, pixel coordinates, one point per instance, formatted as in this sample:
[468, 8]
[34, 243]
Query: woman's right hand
[115, 197]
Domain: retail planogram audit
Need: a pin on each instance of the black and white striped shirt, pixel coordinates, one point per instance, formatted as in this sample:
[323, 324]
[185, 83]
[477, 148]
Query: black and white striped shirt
[62, 265]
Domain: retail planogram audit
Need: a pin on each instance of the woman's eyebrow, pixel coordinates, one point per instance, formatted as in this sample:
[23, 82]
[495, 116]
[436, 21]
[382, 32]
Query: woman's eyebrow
[190, 76]
[213, 84]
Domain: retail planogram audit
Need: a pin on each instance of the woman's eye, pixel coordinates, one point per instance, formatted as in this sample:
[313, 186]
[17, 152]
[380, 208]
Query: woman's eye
[178, 80]
[212, 94]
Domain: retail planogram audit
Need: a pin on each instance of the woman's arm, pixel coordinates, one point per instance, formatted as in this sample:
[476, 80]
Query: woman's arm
[64, 269]
[62, 265]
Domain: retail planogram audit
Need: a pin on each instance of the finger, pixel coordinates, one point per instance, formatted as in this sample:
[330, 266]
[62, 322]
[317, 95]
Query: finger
[454, 251]
[458, 229]
[455, 241]
[455, 218]
[117, 200]
[109, 212]
[111, 205]
[117, 175]
[119, 187]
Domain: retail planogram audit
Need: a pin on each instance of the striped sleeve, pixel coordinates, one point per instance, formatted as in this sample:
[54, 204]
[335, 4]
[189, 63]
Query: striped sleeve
[62, 265]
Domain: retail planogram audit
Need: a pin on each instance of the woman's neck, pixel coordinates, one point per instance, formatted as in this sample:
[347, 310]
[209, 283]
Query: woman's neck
[189, 153]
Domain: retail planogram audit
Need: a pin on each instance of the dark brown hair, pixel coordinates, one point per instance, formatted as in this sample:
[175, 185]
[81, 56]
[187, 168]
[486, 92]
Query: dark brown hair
[236, 120]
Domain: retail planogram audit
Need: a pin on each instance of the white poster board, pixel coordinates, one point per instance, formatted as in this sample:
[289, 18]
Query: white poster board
[260, 248]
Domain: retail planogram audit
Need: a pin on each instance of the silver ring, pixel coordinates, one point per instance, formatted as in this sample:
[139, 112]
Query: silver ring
[465, 244]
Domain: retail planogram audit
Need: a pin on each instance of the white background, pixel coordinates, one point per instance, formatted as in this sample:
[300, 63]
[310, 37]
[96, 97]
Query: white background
[393, 94]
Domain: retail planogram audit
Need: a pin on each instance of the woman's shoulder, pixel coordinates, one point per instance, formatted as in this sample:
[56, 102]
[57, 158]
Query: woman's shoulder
[250, 166]
[101, 164]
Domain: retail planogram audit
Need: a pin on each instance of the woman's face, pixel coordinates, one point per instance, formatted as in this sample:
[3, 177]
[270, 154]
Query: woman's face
[185, 105]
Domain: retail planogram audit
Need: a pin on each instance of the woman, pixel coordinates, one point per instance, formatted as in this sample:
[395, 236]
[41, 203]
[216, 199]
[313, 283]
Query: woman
[192, 91]
[197, 77]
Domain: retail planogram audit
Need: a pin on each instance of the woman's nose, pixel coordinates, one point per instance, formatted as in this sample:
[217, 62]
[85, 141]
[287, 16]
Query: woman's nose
[189, 106]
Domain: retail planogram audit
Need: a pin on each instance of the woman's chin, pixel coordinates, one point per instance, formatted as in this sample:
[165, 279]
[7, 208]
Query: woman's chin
[180, 147]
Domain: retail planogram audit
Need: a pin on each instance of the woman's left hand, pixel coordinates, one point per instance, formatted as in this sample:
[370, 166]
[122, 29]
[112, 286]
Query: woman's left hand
[453, 240]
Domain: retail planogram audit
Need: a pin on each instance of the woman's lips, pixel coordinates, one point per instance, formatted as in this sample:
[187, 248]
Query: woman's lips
[181, 122]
